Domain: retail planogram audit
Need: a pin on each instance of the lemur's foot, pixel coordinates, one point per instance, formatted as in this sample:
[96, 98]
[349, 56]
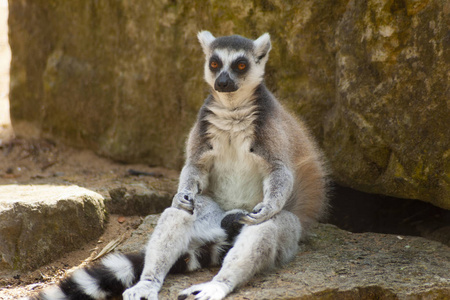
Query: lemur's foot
[143, 289]
[206, 291]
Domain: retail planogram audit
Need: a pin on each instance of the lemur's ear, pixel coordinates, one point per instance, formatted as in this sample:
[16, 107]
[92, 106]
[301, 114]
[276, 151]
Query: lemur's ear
[205, 38]
[262, 46]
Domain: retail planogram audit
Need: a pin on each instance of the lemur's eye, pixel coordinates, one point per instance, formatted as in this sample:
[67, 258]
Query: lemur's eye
[214, 64]
[240, 65]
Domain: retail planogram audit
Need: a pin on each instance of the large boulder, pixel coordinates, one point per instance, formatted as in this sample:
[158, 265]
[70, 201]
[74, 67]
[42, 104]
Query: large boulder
[125, 79]
[388, 128]
[335, 264]
[39, 223]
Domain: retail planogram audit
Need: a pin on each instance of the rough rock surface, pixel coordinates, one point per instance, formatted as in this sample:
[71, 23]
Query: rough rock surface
[139, 238]
[137, 201]
[387, 131]
[335, 264]
[370, 78]
[38, 223]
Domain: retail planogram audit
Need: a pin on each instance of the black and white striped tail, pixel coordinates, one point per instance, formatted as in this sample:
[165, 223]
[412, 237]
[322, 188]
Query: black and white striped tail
[104, 280]
[117, 272]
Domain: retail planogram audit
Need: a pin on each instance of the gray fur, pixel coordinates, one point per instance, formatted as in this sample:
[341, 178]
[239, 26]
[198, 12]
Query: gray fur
[235, 42]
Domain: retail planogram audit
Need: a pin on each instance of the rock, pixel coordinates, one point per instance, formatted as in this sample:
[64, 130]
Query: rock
[336, 264]
[369, 77]
[137, 200]
[110, 76]
[40, 223]
[139, 237]
[387, 130]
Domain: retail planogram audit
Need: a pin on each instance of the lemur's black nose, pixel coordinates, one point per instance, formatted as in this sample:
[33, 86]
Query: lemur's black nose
[224, 83]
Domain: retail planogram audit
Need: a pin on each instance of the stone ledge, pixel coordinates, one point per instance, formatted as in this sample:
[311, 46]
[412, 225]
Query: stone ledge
[38, 223]
[336, 264]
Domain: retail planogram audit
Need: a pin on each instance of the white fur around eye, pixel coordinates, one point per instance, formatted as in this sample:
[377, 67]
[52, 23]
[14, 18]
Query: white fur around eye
[246, 83]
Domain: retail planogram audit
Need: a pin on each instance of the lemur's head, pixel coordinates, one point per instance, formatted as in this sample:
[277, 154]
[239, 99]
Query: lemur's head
[234, 62]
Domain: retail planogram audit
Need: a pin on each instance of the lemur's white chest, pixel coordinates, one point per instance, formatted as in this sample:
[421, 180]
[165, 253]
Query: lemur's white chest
[236, 174]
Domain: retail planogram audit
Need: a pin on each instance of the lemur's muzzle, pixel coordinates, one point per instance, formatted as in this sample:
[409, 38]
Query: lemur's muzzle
[225, 84]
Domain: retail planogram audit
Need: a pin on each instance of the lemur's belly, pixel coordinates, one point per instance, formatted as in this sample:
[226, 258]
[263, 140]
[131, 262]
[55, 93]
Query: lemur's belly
[236, 180]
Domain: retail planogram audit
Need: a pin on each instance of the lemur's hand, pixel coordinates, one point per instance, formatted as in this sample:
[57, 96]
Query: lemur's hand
[185, 201]
[262, 212]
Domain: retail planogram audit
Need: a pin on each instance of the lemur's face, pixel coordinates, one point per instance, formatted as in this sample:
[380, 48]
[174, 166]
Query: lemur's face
[234, 62]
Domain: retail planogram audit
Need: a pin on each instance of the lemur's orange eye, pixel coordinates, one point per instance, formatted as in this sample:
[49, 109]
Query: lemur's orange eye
[241, 66]
[214, 64]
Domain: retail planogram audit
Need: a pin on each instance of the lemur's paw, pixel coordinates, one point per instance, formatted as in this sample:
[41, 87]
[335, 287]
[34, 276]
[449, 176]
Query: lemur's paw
[206, 291]
[184, 201]
[143, 289]
[260, 213]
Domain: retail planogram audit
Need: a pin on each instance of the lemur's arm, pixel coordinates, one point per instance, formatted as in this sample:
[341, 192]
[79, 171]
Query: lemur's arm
[278, 187]
[192, 181]
[194, 175]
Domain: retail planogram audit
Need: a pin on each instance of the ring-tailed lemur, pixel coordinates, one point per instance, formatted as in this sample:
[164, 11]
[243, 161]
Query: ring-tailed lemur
[253, 182]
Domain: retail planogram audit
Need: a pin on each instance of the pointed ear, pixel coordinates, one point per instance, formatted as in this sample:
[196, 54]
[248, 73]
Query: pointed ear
[205, 38]
[262, 46]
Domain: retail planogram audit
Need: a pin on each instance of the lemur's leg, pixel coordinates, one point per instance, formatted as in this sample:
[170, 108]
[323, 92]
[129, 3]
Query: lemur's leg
[176, 233]
[258, 247]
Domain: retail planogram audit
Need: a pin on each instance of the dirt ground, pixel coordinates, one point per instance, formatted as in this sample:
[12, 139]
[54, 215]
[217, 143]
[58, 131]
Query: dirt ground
[41, 161]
